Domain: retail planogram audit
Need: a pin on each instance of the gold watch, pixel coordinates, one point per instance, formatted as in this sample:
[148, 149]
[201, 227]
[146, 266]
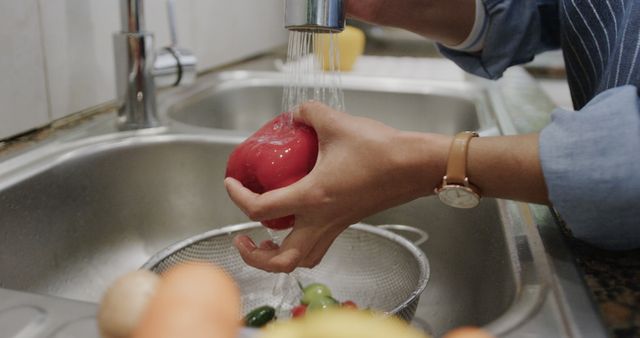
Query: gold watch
[456, 190]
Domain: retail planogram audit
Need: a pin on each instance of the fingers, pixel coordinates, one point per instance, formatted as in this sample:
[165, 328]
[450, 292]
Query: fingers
[270, 257]
[317, 115]
[319, 250]
[302, 248]
[268, 245]
[270, 205]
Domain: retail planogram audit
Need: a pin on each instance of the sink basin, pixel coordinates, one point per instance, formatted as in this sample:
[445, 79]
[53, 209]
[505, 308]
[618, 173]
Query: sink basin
[101, 211]
[75, 215]
[245, 101]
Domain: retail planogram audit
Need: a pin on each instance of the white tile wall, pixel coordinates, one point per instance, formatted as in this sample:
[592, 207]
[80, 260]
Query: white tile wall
[224, 29]
[23, 98]
[78, 55]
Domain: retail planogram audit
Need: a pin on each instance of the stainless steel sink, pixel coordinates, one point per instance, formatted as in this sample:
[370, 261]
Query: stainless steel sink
[75, 215]
[104, 209]
[245, 101]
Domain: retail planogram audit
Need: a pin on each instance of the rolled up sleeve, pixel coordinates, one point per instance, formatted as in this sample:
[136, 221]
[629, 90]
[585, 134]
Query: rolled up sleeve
[517, 31]
[591, 163]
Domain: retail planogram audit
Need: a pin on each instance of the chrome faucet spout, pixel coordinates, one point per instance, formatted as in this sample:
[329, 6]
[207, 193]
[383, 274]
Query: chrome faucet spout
[315, 15]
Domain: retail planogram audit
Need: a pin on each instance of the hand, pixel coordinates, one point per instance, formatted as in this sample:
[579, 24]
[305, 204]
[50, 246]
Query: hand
[363, 167]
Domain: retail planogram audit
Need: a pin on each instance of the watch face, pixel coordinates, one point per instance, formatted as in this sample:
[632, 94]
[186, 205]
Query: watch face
[459, 196]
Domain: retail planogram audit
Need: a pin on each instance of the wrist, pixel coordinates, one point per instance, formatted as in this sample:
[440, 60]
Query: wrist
[456, 189]
[422, 157]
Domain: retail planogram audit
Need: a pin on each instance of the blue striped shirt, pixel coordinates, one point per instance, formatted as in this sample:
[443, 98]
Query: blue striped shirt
[601, 41]
[590, 157]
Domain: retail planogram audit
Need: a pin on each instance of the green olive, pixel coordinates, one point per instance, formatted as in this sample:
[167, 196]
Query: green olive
[260, 317]
[314, 291]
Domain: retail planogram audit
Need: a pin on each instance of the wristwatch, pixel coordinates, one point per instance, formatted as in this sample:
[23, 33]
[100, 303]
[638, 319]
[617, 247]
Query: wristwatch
[455, 190]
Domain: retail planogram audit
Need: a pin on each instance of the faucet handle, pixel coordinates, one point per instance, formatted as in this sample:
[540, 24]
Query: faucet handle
[173, 65]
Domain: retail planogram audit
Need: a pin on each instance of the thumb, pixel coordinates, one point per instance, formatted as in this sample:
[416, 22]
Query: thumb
[270, 205]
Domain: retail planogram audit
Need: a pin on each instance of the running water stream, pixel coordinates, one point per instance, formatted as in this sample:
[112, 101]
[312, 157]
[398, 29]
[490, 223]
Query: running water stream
[312, 73]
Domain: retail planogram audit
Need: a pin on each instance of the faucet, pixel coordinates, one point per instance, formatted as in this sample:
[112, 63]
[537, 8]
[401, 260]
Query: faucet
[322, 16]
[140, 69]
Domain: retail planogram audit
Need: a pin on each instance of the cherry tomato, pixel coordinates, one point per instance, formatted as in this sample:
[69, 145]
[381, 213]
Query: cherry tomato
[298, 311]
[349, 305]
[277, 155]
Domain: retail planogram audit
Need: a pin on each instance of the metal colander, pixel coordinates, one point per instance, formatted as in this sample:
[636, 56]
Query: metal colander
[371, 266]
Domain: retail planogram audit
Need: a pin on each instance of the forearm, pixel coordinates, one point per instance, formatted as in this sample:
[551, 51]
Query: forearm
[446, 21]
[508, 167]
[502, 167]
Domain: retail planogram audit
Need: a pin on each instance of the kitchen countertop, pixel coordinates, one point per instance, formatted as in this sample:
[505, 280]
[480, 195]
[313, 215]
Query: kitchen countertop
[614, 281]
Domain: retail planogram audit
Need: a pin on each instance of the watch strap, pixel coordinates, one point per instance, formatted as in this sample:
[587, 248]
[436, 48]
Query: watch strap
[457, 163]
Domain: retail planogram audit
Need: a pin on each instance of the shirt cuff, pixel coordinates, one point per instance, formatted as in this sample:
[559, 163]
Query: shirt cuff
[591, 165]
[475, 40]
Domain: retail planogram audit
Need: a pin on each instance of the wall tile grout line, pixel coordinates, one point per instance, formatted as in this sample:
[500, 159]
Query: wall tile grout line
[44, 63]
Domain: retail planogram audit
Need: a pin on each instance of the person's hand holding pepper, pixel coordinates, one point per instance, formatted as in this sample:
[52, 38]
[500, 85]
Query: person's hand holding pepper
[363, 167]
